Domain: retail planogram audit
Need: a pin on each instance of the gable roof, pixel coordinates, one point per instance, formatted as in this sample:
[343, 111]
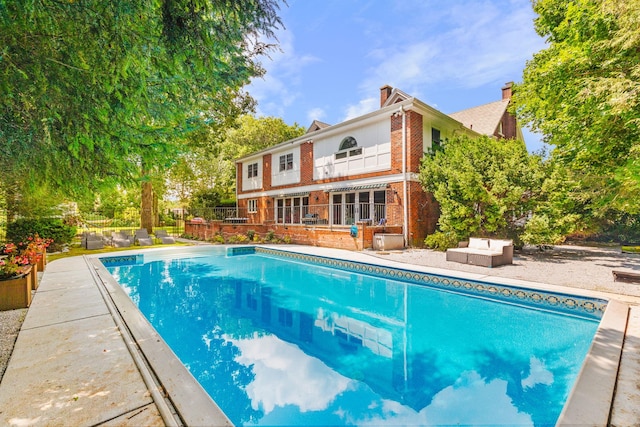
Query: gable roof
[396, 96]
[317, 125]
[483, 119]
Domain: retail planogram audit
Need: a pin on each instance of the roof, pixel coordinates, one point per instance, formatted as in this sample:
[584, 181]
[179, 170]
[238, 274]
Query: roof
[317, 125]
[396, 96]
[483, 119]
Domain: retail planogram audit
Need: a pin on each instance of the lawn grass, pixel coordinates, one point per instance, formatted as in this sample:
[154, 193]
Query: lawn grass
[76, 250]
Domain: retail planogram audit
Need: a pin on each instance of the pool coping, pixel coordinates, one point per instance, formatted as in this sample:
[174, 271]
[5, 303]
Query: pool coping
[590, 400]
[192, 404]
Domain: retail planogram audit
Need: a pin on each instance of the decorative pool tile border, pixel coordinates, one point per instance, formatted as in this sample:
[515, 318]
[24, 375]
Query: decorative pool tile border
[118, 261]
[241, 250]
[572, 304]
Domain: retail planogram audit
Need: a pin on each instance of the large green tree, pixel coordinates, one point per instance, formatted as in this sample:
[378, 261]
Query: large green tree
[485, 187]
[209, 167]
[97, 92]
[583, 94]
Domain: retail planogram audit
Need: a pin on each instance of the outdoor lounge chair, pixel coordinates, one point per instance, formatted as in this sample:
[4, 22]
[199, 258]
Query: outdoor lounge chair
[164, 237]
[143, 238]
[483, 252]
[92, 241]
[119, 240]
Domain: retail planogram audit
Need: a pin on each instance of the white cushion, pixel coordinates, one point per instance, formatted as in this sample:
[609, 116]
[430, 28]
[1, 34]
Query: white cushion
[477, 243]
[499, 244]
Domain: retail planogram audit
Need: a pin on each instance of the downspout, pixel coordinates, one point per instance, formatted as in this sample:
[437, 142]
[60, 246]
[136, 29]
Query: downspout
[405, 207]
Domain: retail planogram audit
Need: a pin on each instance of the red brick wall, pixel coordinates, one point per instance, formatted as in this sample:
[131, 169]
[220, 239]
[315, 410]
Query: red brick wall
[509, 126]
[396, 143]
[301, 235]
[306, 163]
[266, 172]
[423, 214]
[414, 141]
[239, 175]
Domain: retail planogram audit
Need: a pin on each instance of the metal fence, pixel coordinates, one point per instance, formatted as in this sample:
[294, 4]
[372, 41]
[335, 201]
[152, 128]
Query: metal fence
[173, 220]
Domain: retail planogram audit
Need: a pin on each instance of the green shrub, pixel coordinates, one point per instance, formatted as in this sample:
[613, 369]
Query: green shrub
[270, 236]
[441, 241]
[238, 238]
[189, 236]
[218, 238]
[250, 234]
[47, 228]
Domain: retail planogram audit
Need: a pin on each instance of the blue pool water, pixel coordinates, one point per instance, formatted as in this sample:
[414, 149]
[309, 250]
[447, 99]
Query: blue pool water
[279, 341]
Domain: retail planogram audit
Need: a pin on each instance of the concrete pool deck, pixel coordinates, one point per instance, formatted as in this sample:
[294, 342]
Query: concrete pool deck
[75, 363]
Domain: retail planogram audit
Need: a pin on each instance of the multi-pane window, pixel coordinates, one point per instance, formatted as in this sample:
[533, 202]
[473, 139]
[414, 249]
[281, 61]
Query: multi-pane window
[349, 208]
[252, 170]
[291, 210]
[348, 147]
[252, 205]
[435, 136]
[286, 162]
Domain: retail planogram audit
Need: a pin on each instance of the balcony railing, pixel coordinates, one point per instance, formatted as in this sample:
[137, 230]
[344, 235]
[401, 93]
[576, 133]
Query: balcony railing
[339, 215]
[321, 215]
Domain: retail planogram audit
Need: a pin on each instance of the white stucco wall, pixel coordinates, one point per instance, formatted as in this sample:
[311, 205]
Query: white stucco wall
[373, 138]
[254, 183]
[286, 177]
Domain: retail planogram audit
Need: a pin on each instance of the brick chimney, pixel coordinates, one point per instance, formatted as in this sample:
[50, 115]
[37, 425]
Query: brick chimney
[385, 92]
[506, 90]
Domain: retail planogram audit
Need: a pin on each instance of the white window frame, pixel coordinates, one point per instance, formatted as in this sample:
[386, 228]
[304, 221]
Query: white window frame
[252, 205]
[252, 170]
[286, 162]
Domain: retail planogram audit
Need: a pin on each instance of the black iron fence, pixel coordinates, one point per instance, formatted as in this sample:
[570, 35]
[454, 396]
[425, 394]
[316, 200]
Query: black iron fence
[173, 221]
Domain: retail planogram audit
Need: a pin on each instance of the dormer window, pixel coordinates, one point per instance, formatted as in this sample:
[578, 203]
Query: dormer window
[348, 147]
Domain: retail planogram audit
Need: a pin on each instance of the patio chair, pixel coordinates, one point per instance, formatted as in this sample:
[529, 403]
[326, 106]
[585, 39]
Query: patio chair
[143, 238]
[128, 234]
[92, 241]
[119, 240]
[164, 237]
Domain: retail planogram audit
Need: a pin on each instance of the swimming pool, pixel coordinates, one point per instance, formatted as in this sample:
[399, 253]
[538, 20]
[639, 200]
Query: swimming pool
[350, 343]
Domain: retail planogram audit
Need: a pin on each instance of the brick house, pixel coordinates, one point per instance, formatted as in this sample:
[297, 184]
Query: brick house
[339, 185]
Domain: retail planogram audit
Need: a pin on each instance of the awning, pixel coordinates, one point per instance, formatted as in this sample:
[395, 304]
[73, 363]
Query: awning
[355, 188]
[300, 194]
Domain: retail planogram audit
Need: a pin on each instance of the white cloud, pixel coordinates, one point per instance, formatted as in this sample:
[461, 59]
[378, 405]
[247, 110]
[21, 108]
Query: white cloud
[365, 106]
[470, 401]
[476, 43]
[285, 375]
[538, 374]
[316, 114]
[281, 83]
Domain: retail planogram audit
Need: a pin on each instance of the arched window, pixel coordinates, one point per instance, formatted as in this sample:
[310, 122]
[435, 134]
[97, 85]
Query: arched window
[348, 142]
[348, 147]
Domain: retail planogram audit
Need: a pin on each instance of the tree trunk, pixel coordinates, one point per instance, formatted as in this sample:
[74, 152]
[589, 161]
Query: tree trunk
[10, 202]
[156, 214]
[146, 207]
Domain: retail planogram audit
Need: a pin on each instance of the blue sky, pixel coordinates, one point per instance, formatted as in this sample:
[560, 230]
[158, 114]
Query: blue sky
[451, 54]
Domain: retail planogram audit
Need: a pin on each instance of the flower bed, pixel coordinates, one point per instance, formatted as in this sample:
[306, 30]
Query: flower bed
[20, 263]
[16, 292]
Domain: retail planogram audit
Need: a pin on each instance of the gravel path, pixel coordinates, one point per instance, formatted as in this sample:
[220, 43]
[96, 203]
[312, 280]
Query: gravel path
[10, 323]
[573, 266]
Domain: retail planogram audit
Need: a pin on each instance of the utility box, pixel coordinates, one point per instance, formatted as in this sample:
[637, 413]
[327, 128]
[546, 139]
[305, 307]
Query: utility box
[388, 241]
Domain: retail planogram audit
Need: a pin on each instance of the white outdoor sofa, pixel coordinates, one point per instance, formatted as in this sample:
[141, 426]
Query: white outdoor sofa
[483, 252]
